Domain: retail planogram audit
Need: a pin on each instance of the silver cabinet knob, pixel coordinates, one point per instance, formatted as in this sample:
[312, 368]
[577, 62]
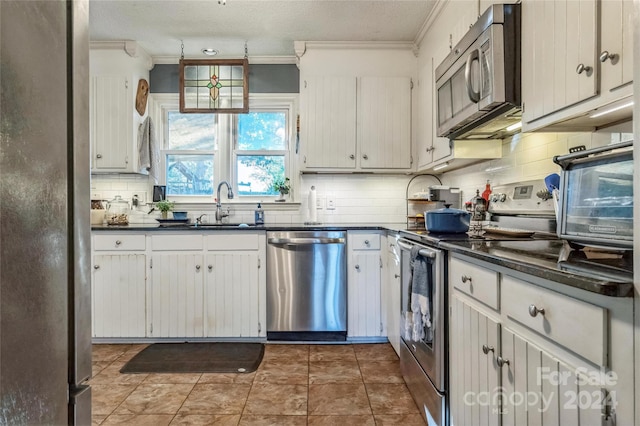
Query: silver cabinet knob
[197, 267]
[486, 349]
[357, 267]
[534, 310]
[606, 55]
[98, 155]
[396, 275]
[365, 156]
[465, 278]
[502, 361]
[210, 267]
[366, 242]
[583, 68]
[353, 157]
[96, 266]
[118, 242]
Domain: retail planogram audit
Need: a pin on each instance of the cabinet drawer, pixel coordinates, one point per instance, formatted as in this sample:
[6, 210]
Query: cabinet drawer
[364, 241]
[176, 242]
[476, 281]
[232, 241]
[572, 323]
[119, 242]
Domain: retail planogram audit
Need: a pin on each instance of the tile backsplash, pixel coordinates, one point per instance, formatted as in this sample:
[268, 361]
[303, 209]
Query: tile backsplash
[380, 198]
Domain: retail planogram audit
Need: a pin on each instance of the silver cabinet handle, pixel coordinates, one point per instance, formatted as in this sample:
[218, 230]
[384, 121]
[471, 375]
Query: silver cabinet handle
[583, 68]
[305, 241]
[486, 349]
[197, 267]
[502, 361]
[606, 55]
[396, 275]
[431, 148]
[534, 310]
[366, 242]
[96, 266]
[98, 155]
[365, 156]
[352, 157]
[357, 267]
[118, 242]
[473, 95]
[210, 267]
[465, 278]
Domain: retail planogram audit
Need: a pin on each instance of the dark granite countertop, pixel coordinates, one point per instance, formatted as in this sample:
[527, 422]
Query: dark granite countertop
[555, 261]
[251, 227]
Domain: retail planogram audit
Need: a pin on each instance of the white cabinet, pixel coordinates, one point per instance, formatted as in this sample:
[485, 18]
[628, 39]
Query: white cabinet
[234, 291]
[576, 57]
[364, 264]
[118, 286]
[177, 283]
[522, 352]
[115, 73]
[353, 123]
[329, 122]
[473, 347]
[392, 306]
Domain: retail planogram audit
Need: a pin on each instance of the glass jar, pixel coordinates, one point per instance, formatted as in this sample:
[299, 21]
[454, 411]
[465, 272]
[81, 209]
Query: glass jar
[118, 211]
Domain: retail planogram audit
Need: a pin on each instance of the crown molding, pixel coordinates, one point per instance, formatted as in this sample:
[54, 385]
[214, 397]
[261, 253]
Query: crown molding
[130, 47]
[252, 59]
[433, 15]
[303, 46]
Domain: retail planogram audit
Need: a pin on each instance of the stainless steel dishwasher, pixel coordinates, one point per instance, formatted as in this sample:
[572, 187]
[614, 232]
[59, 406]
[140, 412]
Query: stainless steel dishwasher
[306, 285]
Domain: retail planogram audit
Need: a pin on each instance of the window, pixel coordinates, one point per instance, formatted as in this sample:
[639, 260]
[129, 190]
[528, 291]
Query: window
[249, 151]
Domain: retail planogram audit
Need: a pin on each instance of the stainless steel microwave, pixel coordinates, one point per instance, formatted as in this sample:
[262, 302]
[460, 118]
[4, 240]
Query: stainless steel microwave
[596, 197]
[478, 83]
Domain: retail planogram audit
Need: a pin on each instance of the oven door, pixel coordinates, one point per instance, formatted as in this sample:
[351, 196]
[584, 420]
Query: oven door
[422, 324]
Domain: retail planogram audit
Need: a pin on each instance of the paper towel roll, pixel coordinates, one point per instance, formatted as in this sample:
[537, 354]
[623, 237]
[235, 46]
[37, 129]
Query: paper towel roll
[313, 212]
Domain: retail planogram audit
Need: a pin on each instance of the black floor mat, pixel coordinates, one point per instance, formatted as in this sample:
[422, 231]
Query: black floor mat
[219, 357]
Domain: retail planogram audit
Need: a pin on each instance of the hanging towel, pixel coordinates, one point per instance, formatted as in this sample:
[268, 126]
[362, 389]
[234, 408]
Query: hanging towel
[420, 294]
[148, 153]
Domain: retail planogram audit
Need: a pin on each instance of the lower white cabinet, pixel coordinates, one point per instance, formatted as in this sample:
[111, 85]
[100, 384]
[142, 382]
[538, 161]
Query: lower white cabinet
[232, 294]
[392, 306]
[536, 356]
[118, 290]
[364, 264]
[177, 305]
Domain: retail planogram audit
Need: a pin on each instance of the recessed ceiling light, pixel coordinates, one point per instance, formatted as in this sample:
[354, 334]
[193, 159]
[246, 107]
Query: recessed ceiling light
[210, 52]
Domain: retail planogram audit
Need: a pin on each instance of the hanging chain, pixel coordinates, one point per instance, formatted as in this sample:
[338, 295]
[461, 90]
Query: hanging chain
[246, 51]
[181, 50]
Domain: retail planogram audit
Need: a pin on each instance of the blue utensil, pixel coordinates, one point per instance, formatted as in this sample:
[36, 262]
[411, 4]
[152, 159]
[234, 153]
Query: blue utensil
[552, 181]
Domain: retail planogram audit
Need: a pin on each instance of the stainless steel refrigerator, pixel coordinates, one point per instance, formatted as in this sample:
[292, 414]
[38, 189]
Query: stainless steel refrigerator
[45, 318]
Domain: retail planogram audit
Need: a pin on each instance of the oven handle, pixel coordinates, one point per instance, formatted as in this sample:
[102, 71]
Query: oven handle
[424, 252]
[564, 160]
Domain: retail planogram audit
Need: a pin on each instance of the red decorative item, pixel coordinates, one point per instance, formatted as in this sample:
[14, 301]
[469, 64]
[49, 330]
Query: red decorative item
[487, 192]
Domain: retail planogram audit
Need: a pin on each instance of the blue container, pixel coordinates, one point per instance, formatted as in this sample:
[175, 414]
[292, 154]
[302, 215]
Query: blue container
[447, 220]
[179, 215]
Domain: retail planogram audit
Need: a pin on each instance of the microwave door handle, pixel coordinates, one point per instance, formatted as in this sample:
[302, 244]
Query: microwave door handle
[473, 56]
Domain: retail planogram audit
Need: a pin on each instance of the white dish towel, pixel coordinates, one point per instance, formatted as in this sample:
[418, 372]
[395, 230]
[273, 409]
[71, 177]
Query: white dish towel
[148, 152]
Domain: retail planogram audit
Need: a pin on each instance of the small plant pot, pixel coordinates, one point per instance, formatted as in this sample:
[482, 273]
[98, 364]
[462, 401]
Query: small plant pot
[164, 214]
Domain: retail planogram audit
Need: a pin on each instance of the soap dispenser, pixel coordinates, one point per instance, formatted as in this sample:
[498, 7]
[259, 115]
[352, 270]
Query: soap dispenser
[259, 215]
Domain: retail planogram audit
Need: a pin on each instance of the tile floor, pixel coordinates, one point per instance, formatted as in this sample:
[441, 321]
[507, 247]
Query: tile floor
[294, 385]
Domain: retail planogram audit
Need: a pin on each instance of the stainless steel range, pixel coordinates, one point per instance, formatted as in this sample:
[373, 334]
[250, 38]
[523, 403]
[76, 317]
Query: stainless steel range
[520, 211]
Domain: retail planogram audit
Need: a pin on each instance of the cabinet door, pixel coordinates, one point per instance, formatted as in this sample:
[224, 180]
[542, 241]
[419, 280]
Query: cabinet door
[542, 390]
[231, 295]
[328, 122]
[177, 295]
[616, 46]
[111, 123]
[391, 301]
[363, 295]
[118, 295]
[474, 374]
[557, 37]
[384, 123]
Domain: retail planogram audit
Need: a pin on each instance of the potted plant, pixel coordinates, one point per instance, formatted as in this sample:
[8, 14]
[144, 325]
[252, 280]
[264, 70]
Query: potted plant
[164, 206]
[283, 186]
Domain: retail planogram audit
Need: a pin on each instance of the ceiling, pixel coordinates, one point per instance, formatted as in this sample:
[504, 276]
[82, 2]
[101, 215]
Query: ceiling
[269, 27]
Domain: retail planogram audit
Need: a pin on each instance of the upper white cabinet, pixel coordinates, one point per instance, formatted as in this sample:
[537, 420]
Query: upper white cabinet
[576, 57]
[115, 71]
[356, 107]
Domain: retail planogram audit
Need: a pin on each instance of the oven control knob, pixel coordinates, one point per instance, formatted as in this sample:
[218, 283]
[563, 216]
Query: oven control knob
[503, 197]
[494, 198]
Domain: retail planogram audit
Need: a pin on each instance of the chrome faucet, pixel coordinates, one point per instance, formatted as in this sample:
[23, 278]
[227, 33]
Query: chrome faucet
[219, 213]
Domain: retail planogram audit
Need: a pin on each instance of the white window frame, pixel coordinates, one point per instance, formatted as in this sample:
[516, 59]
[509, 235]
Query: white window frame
[225, 152]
